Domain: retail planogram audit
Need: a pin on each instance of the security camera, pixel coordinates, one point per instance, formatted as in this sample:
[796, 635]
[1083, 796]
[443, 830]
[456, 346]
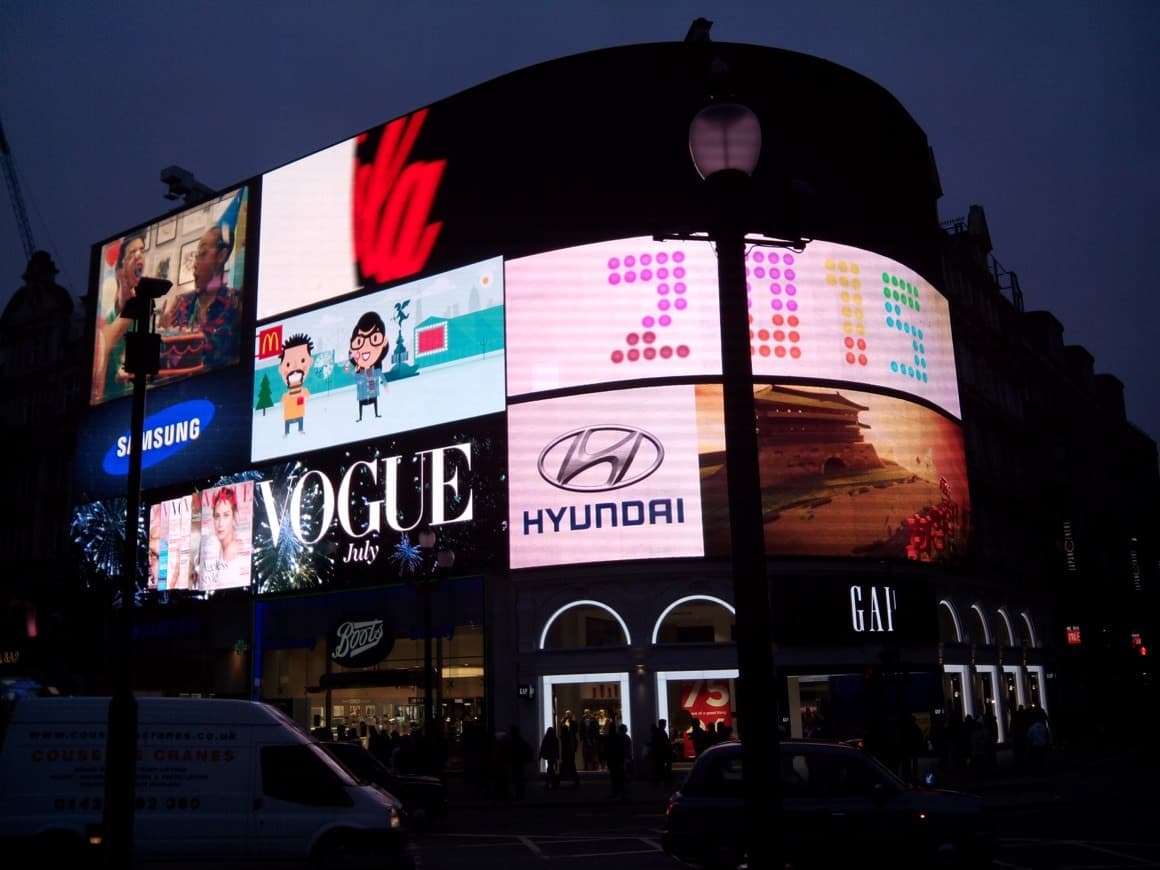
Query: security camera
[182, 184]
[152, 288]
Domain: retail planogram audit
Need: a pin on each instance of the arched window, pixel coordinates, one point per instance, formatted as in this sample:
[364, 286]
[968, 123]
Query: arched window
[949, 628]
[980, 630]
[1029, 635]
[1008, 636]
[583, 624]
[696, 619]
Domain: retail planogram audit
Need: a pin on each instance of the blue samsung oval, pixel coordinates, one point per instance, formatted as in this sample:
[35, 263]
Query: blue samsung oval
[164, 434]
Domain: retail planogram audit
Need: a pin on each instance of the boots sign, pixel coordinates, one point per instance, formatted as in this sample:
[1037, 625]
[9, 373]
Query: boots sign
[359, 643]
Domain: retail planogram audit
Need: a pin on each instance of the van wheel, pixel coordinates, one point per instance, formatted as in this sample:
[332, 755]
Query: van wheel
[338, 851]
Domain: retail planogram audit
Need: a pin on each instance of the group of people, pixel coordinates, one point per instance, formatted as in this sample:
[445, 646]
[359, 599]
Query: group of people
[558, 752]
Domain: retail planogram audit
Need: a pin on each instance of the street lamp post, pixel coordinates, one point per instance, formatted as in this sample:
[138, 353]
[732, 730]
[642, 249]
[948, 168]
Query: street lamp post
[432, 561]
[725, 143]
[142, 359]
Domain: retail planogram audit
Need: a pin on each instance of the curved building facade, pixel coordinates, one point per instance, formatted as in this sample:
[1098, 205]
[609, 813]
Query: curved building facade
[497, 320]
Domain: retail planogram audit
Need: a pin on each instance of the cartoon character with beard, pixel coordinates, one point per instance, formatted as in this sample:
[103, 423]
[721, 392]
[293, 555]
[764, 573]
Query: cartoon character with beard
[368, 347]
[294, 364]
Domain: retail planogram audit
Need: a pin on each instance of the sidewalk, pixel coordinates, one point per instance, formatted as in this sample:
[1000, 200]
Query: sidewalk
[595, 788]
[1069, 775]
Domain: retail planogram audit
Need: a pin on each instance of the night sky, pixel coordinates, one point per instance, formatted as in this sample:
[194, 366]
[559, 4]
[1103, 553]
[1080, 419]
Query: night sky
[1043, 113]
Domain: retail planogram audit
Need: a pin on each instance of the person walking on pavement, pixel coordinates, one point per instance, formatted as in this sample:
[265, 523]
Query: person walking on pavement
[617, 754]
[661, 754]
[518, 755]
[568, 751]
[550, 755]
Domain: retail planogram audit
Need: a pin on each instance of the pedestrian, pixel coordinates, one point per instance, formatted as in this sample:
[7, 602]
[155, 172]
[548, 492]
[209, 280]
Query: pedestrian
[1038, 738]
[660, 752]
[518, 756]
[911, 743]
[550, 755]
[589, 737]
[568, 751]
[700, 737]
[617, 755]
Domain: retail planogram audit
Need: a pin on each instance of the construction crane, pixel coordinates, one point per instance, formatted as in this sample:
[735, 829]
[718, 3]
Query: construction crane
[15, 195]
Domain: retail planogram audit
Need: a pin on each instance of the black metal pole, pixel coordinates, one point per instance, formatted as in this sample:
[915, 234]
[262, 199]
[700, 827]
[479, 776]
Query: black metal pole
[428, 680]
[757, 690]
[121, 741]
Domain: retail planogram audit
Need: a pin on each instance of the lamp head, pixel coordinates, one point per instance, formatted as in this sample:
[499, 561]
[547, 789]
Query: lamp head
[725, 136]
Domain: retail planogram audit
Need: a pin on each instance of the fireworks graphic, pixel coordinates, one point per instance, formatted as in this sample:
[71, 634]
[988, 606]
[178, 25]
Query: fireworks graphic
[291, 565]
[97, 531]
[407, 555]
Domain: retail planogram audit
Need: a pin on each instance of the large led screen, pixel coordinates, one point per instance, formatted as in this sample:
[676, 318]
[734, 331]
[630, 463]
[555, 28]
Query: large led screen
[415, 355]
[605, 476]
[637, 309]
[202, 541]
[351, 516]
[614, 311]
[196, 428]
[640, 473]
[203, 252]
[844, 473]
[355, 215]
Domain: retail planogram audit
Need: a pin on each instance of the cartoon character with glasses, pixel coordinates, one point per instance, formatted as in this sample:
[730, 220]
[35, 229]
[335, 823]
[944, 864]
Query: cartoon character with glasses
[368, 347]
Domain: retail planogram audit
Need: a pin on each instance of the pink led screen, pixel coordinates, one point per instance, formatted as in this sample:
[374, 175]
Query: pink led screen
[637, 308]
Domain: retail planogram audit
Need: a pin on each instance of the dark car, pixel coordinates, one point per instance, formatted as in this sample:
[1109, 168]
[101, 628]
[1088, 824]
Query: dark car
[424, 798]
[839, 805]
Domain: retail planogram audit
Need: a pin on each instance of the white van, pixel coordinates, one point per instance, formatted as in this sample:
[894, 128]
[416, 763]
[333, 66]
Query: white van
[217, 780]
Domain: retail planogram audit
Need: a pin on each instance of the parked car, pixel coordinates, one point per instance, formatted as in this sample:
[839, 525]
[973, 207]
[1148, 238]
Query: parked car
[839, 805]
[424, 798]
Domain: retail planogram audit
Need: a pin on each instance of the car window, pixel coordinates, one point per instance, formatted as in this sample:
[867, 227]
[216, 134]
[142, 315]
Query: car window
[723, 777]
[295, 773]
[845, 774]
[795, 775]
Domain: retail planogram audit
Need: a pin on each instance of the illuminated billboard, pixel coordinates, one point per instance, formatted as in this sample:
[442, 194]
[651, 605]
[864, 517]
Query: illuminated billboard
[844, 473]
[355, 215]
[605, 476]
[174, 538]
[636, 309]
[616, 311]
[640, 473]
[195, 429]
[226, 536]
[415, 355]
[351, 516]
[202, 250]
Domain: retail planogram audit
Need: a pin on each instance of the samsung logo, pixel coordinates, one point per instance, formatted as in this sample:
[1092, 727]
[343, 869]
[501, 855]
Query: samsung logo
[600, 458]
[164, 434]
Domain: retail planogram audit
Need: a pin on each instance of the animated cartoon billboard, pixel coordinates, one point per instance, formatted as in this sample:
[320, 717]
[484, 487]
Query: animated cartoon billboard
[427, 352]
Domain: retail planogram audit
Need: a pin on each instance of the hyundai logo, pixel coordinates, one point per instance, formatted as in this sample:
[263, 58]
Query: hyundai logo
[600, 458]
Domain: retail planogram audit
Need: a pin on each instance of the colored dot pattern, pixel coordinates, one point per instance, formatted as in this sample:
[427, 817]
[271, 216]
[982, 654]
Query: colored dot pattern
[661, 276]
[846, 278]
[774, 319]
[900, 303]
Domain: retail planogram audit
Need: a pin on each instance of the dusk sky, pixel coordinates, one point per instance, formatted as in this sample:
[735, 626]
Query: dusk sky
[1043, 113]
